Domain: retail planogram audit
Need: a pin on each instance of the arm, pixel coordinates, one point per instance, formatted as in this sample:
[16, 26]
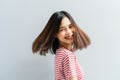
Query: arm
[69, 67]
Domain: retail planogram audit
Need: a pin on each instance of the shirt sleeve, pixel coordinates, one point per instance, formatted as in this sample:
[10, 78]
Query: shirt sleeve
[69, 67]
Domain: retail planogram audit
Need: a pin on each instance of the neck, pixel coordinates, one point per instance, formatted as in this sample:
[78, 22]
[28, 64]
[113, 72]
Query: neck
[69, 47]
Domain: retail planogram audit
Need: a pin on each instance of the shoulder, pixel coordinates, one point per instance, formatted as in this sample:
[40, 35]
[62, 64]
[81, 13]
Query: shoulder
[64, 52]
[60, 51]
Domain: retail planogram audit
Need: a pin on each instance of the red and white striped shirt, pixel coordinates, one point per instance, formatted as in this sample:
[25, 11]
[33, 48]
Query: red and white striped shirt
[66, 65]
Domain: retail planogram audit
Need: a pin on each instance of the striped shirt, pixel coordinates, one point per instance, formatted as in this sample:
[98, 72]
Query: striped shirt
[66, 65]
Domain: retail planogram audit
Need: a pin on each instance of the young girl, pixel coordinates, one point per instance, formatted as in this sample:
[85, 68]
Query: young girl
[62, 37]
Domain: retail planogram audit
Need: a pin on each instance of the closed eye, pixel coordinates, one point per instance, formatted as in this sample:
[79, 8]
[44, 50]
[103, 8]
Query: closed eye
[62, 29]
[71, 26]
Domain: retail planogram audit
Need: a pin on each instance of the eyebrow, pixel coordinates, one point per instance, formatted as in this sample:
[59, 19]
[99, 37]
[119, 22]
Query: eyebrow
[61, 27]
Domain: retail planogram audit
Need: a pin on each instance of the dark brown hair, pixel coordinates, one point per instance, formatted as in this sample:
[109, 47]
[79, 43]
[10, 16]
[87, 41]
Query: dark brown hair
[46, 41]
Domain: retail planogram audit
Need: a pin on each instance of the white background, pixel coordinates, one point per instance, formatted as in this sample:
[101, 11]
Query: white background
[21, 21]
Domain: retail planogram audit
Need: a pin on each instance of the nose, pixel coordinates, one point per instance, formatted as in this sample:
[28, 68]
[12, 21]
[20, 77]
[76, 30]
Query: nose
[69, 32]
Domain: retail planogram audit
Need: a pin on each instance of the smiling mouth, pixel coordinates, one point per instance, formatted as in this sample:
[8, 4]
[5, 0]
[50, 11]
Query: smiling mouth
[69, 37]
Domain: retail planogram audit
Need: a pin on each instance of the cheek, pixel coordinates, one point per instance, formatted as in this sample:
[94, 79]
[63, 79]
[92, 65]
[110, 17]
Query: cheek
[60, 35]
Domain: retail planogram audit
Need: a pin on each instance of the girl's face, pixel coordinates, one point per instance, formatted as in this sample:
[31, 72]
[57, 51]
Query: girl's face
[66, 32]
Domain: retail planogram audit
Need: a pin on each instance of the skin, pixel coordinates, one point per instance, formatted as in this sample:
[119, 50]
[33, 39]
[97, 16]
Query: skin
[73, 78]
[65, 33]
[65, 36]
